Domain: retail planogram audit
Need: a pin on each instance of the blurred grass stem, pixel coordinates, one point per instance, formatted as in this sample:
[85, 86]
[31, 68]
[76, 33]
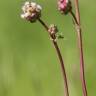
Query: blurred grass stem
[80, 45]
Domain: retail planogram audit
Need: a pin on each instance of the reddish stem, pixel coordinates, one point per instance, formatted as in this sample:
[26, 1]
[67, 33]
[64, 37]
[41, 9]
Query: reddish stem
[79, 33]
[59, 56]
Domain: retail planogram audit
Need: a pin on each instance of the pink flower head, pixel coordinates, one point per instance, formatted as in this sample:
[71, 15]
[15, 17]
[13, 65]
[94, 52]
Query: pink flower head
[31, 11]
[64, 6]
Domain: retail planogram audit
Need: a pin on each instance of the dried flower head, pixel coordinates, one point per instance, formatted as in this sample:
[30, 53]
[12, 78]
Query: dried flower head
[31, 11]
[64, 6]
[53, 29]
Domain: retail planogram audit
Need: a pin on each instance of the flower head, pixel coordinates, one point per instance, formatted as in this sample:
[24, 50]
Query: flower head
[31, 11]
[64, 6]
[53, 29]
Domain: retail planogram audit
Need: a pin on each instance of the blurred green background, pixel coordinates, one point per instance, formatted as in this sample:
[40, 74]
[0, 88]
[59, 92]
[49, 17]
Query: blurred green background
[28, 62]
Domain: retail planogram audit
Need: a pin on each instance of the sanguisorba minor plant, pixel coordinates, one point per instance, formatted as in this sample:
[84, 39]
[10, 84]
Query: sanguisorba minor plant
[32, 13]
[65, 7]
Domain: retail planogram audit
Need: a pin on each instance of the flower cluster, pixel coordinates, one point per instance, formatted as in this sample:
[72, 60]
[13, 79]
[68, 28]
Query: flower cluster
[31, 11]
[53, 29]
[64, 6]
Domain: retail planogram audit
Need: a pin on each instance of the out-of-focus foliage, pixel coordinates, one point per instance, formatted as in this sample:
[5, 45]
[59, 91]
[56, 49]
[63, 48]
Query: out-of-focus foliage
[28, 62]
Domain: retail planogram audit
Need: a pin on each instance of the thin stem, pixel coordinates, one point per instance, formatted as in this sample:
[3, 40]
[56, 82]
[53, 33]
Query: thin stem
[63, 68]
[77, 11]
[44, 25]
[60, 58]
[79, 33]
[74, 17]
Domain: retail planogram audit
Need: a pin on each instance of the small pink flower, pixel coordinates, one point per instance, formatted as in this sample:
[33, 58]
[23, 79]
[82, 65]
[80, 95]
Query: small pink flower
[31, 11]
[53, 29]
[64, 6]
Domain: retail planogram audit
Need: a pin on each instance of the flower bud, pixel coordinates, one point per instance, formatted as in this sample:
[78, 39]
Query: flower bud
[31, 11]
[64, 6]
[53, 29]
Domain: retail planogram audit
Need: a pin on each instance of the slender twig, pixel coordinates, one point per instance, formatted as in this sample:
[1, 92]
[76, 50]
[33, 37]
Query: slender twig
[79, 33]
[74, 17]
[59, 56]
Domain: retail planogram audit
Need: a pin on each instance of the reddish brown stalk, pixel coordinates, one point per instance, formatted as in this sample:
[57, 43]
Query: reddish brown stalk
[59, 56]
[79, 33]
